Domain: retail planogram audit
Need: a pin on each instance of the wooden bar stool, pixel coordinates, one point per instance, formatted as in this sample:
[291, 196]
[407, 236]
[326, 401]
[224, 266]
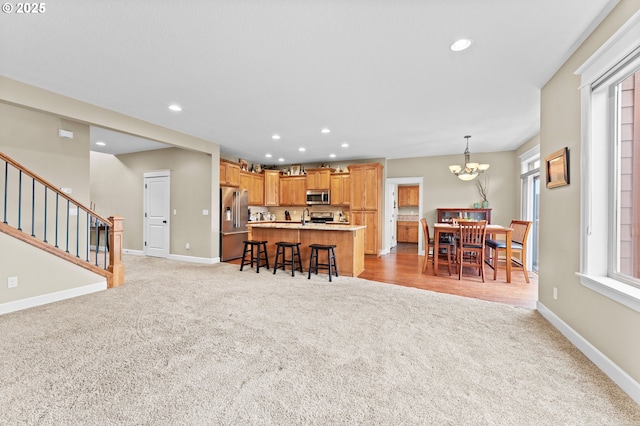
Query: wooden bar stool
[256, 250]
[331, 259]
[281, 247]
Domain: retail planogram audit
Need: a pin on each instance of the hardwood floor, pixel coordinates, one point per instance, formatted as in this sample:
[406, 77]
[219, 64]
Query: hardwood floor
[403, 266]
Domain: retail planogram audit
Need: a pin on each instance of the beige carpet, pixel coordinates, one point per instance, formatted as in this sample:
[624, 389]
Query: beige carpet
[199, 344]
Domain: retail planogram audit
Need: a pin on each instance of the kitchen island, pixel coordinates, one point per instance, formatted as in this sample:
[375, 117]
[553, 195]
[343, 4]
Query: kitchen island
[348, 239]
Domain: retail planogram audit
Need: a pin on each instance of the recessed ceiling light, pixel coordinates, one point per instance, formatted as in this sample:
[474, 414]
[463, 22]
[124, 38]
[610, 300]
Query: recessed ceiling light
[100, 143]
[302, 149]
[345, 145]
[281, 159]
[175, 107]
[332, 155]
[275, 137]
[268, 155]
[325, 130]
[461, 44]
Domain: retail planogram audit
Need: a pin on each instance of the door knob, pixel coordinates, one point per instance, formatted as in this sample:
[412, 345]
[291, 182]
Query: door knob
[164, 221]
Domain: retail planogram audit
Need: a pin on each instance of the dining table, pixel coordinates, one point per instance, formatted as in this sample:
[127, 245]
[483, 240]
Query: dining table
[492, 230]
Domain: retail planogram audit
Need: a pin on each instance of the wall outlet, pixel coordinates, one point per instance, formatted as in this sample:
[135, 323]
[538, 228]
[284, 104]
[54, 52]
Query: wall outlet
[12, 282]
[186, 246]
[555, 293]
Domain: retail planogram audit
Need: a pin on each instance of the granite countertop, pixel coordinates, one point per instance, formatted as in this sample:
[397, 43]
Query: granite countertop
[407, 218]
[314, 226]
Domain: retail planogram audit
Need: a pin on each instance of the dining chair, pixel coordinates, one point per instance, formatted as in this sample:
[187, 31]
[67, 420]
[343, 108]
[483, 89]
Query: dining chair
[518, 246]
[447, 246]
[471, 240]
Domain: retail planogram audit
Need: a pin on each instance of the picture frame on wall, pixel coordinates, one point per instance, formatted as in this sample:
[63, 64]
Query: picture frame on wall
[558, 168]
[295, 170]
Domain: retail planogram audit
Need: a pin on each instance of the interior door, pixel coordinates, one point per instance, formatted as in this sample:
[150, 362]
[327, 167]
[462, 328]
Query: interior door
[156, 215]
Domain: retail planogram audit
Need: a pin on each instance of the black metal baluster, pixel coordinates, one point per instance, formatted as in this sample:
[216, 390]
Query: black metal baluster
[20, 200]
[106, 244]
[6, 182]
[67, 226]
[97, 240]
[33, 207]
[57, 214]
[77, 231]
[45, 214]
[88, 234]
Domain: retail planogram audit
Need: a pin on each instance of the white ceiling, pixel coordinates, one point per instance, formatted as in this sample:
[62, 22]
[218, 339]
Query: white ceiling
[378, 73]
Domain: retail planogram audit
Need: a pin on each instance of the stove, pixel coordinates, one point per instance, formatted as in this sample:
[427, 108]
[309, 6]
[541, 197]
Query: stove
[321, 217]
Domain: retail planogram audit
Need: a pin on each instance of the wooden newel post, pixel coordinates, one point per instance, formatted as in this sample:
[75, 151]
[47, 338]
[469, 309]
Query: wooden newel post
[115, 253]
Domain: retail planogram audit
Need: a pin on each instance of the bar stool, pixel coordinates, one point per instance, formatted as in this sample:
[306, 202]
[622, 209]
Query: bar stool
[281, 247]
[255, 255]
[331, 259]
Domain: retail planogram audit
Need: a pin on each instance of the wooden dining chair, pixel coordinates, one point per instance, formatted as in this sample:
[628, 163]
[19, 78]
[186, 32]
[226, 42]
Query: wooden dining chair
[518, 246]
[447, 247]
[471, 246]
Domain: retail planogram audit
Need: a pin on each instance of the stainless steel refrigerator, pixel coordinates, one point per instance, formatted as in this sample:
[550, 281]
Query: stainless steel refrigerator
[234, 215]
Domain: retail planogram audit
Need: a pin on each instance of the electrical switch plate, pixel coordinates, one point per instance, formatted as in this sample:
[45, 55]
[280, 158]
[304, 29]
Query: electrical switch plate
[205, 212]
[555, 293]
[12, 282]
[186, 246]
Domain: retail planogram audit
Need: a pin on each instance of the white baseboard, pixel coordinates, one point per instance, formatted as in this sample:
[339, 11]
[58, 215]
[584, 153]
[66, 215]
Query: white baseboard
[133, 252]
[43, 299]
[193, 259]
[615, 373]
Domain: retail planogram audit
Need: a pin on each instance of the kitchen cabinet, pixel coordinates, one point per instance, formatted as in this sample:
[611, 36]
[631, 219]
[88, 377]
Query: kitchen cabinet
[272, 187]
[366, 203]
[340, 189]
[407, 231]
[408, 196]
[229, 174]
[319, 178]
[447, 214]
[293, 191]
[254, 183]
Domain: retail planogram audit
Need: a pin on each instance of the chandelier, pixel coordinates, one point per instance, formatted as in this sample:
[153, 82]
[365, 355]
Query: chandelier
[470, 170]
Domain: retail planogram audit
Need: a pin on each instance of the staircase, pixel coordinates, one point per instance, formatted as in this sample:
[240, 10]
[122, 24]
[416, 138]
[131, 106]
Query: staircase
[40, 214]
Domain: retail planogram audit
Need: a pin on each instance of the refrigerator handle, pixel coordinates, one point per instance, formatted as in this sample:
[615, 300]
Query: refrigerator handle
[234, 209]
[237, 209]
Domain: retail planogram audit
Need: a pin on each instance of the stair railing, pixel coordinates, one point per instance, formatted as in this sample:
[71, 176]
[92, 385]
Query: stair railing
[37, 212]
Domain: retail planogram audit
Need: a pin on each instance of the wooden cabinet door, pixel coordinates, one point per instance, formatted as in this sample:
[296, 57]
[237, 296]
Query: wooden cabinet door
[371, 188]
[285, 191]
[229, 174]
[357, 188]
[271, 188]
[412, 232]
[256, 191]
[340, 190]
[319, 178]
[370, 220]
[408, 196]
[299, 191]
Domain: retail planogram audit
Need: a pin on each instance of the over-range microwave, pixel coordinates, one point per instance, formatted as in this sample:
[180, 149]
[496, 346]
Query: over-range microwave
[318, 197]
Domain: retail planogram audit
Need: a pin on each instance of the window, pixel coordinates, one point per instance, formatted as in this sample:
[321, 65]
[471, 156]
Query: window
[610, 176]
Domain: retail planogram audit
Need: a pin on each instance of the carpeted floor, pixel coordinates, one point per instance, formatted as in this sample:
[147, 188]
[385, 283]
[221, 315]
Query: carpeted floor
[206, 344]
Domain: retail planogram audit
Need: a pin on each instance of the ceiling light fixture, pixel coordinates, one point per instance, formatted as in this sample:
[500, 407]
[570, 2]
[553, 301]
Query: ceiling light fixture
[281, 159]
[470, 170]
[275, 137]
[175, 107]
[302, 149]
[345, 145]
[100, 143]
[332, 155]
[325, 131]
[460, 45]
[268, 155]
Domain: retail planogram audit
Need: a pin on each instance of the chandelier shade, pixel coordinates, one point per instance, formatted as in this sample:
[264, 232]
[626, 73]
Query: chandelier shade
[470, 170]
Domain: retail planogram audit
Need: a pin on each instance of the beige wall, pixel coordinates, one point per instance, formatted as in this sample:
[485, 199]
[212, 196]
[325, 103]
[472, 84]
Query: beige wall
[607, 325]
[117, 186]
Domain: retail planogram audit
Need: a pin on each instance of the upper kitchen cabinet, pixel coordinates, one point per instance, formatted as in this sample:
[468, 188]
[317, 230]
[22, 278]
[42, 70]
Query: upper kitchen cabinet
[272, 187]
[254, 183]
[319, 178]
[408, 196]
[340, 189]
[229, 174]
[293, 191]
[366, 186]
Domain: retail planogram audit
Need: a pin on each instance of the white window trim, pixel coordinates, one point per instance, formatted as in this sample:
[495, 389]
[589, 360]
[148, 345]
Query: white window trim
[595, 240]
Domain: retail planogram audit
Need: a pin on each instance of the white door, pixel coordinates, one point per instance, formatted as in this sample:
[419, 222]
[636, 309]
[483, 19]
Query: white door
[156, 214]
